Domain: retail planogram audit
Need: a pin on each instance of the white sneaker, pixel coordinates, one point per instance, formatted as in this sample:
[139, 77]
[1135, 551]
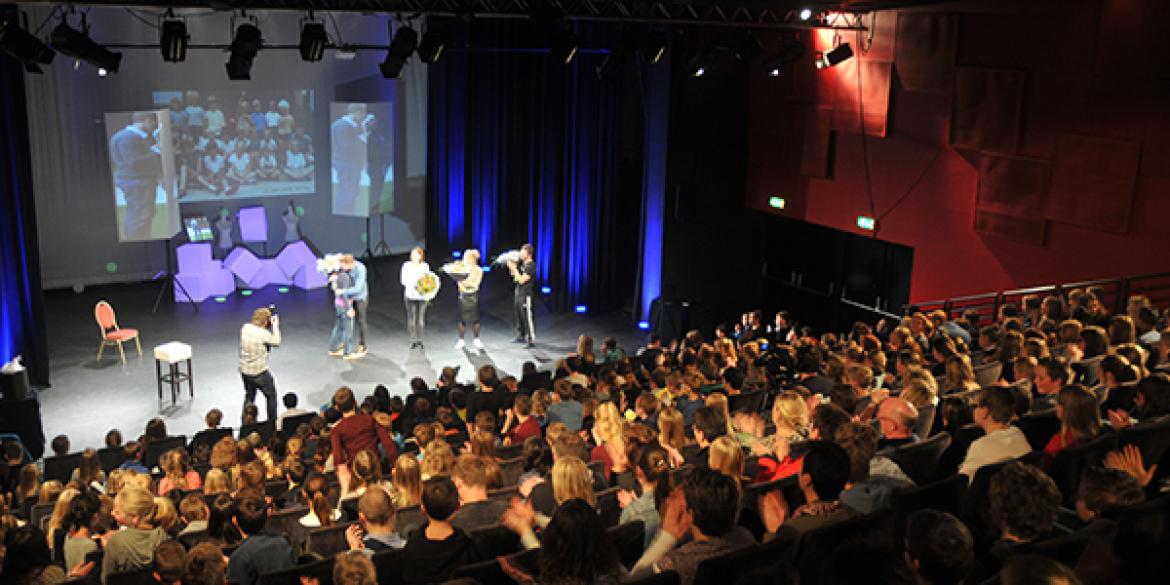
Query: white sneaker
[478, 344]
[459, 345]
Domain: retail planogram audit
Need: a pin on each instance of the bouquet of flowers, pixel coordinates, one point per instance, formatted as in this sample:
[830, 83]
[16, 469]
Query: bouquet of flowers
[329, 264]
[428, 285]
[509, 256]
[454, 267]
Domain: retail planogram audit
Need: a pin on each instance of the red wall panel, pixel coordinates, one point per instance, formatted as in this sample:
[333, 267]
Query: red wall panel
[924, 192]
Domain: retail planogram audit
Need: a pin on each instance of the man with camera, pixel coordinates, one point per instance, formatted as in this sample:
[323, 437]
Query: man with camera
[256, 338]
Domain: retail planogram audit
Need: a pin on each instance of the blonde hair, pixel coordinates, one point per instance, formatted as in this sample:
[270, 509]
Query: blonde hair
[609, 424]
[437, 459]
[216, 482]
[261, 317]
[131, 478]
[671, 431]
[136, 503]
[50, 491]
[251, 475]
[223, 453]
[114, 481]
[354, 568]
[726, 457]
[571, 479]
[960, 376]
[469, 254]
[719, 401]
[406, 477]
[166, 516]
[919, 392]
[789, 410]
[60, 510]
[295, 447]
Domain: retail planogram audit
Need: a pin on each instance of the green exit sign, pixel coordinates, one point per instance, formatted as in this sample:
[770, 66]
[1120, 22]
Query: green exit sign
[777, 203]
[866, 223]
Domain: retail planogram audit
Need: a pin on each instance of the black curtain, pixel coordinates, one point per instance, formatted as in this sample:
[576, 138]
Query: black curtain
[22, 312]
[526, 149]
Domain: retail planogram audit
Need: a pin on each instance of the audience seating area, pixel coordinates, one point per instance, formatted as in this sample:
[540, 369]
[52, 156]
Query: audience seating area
[1045, 446]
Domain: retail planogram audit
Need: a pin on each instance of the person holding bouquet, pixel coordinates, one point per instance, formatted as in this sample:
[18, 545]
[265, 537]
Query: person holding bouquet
[341, 342]
[413, 271]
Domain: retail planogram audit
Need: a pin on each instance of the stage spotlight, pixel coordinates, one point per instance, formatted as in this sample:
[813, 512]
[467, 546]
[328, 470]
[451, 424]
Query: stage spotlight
[805, 14]
[77, 44]
[314, 39]
[173, 39]
[653, 48]
[564, 47]
[546, 290]
[242, 51]
[24, 47]
[581, 309]
[644, 325]
[434, 41]
[401, 48]
[788, 54]
[834, 56]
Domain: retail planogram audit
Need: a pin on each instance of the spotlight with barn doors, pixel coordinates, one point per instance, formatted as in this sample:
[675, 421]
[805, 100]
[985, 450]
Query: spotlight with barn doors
[173, 38]
[834, 56]
[788, 54]
[24, 47]
[434, 41]
[314, 39]
[245, 44]
[401, 48]
[77, 44]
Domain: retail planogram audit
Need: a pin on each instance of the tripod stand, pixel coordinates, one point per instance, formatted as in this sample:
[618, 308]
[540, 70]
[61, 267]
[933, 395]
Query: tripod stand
[169, 283]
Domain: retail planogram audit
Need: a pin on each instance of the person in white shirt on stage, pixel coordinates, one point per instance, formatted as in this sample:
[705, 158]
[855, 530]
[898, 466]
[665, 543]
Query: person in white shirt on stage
[468, 282]
[416, 303]
[256, 338]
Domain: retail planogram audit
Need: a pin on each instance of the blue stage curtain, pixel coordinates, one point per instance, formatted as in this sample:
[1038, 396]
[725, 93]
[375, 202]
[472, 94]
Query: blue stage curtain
[524, 148]
[22, 313]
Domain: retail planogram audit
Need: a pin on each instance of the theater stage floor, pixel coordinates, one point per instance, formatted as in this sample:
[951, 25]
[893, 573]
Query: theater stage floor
[87, 398]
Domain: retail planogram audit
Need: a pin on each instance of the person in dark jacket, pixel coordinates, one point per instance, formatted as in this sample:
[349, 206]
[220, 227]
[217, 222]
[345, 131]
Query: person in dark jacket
[137, 166]
[437, 548]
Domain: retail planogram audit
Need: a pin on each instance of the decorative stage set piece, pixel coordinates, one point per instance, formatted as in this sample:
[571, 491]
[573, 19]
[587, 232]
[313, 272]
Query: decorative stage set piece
[201, 277]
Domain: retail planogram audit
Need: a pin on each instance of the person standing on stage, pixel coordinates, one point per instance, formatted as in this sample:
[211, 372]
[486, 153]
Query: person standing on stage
[416, 303]
[524, 275]
[256, 338]
[359, 293]
[469, 299]
[341, 340]
[137, 168]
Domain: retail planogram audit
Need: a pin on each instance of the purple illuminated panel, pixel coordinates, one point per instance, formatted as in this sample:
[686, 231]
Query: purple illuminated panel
[253, 224]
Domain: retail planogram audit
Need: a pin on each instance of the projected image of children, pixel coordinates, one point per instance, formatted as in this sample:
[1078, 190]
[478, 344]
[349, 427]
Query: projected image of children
[241, 144]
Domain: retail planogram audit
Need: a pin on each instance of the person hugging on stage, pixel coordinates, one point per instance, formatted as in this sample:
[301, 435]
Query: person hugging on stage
[341, 340]
[524, 275]
[416, 303]
[359, 293]
[468, 279]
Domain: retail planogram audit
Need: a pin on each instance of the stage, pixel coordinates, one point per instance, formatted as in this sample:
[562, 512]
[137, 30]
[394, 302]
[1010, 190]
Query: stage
[87, 398]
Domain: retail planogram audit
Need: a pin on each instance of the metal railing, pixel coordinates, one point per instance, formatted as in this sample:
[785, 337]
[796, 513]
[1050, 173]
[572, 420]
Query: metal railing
[1117, 292]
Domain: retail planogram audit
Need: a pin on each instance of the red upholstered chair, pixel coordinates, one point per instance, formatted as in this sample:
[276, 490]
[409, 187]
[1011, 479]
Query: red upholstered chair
[107, 321]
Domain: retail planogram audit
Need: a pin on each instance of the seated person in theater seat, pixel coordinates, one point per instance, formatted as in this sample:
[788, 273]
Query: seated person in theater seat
[261, 551]
[1001, 441]
[476, 511]
[437, 548]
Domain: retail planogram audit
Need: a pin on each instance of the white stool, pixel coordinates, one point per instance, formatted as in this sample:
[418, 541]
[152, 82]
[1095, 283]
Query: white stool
[173, 354]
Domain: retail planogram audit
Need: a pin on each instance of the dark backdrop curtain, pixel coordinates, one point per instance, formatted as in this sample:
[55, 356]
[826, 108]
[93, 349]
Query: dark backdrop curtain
[524, 148]
[22, 314]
